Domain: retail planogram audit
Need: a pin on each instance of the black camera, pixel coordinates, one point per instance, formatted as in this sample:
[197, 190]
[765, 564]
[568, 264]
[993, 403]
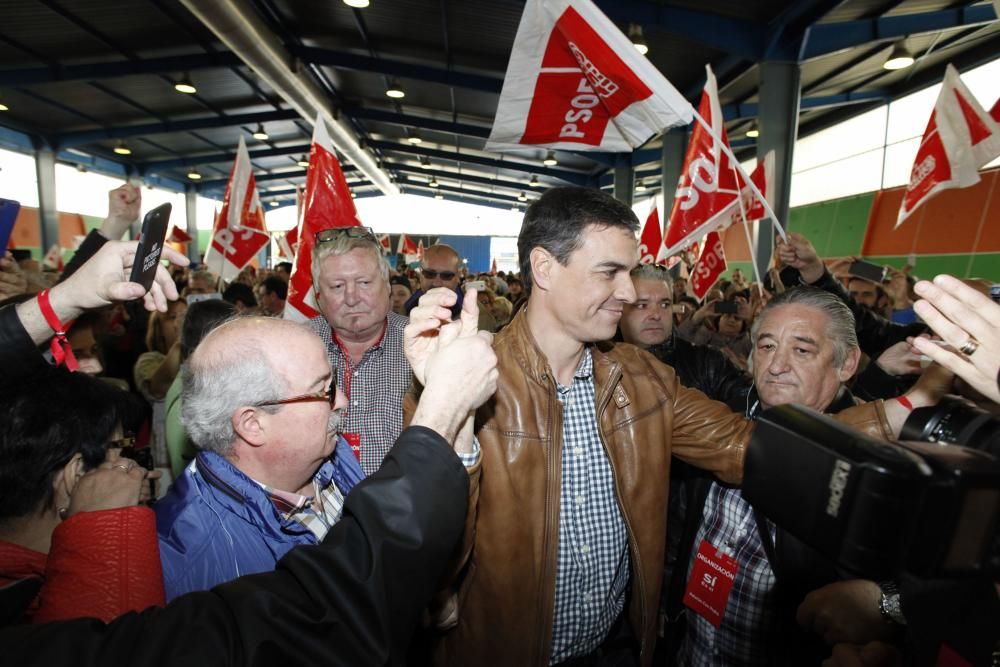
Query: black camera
[878, 508]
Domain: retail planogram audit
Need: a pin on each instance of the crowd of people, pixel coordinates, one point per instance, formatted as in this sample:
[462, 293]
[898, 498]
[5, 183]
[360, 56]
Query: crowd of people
[445, 468]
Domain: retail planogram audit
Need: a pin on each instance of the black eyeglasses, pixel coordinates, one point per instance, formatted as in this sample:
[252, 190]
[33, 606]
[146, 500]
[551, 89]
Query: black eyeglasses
[329, 395]
[355, 232]
[432, 274]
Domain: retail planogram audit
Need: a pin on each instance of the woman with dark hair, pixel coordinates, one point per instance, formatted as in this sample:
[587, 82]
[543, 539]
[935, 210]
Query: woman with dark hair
[724, 325]
[201, 318]
[69, 513]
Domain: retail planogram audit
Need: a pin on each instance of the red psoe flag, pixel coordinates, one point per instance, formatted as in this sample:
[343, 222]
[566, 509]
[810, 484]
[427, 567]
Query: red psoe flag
[289, 243]
[326, 204]
[708, 186]
[386, 243]
[178, 235]
[574, 81]
[710, 266]
[960, 138]
[651, 239]
[239, 232]
[406, 246]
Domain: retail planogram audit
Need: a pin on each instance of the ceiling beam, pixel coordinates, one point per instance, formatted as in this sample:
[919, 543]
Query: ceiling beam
[28, 76]
[827, 38]
[455, 176]
[68, 139]
[468, 193]
[572, 177]
[396, 68]
[419, 122]
[732, 112]
[211, 158]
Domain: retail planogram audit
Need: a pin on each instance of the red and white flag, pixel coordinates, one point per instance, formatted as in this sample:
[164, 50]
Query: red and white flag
[327, 203]
[239, 232]
[995, 111]
[420, 251]
[710, 266]
[386, 243]
[406, 246]
[289, 243]
[574, 81]
[960, 138]
[763, 178]
[178, 235]
[708, 186]
[651, 250]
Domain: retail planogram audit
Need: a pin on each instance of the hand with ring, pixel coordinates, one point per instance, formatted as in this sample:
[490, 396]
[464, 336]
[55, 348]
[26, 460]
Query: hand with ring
[112, 485]
[969, 322]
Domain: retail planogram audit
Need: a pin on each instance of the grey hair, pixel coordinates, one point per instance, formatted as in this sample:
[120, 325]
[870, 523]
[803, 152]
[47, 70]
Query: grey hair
[341, 246]
[840, 326]
[205, 274]
[651, 272]
[213, 388]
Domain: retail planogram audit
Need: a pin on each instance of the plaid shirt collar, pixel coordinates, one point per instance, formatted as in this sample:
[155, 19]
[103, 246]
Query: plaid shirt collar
[584, 369]
[288, 503]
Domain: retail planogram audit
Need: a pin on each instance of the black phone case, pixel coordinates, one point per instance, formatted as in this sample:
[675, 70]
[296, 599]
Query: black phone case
[147, 257]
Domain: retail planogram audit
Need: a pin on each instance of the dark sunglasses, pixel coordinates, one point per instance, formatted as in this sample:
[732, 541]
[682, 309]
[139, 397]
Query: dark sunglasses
[329, 395]
[356, 232]
[432, 274]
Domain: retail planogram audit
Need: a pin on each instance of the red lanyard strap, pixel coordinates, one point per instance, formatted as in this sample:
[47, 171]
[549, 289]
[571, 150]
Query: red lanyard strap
[62, 351]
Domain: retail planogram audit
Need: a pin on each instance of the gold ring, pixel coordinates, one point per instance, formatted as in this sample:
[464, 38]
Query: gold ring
[970, 347]
[126, 468]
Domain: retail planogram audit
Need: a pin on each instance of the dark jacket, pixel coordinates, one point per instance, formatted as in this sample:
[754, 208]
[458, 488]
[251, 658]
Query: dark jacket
[798, 569]
[704, 368]
[19, 357]
[353, 600]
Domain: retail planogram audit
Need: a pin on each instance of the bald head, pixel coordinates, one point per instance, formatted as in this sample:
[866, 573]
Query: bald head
[440, 259]
[243, 362]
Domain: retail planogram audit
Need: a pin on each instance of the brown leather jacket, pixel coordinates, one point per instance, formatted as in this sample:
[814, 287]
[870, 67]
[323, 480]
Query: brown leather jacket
[505, 580]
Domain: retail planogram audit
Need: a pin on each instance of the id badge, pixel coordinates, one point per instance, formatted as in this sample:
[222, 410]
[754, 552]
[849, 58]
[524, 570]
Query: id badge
[354, 440]
[710, 583]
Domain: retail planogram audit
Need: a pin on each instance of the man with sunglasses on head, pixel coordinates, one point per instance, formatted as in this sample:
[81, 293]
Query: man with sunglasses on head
[261, 405]
[363, 338]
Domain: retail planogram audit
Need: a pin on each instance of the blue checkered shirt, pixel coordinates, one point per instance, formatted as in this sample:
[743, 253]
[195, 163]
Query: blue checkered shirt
[376, 388]
[748, 634]
[592, 563]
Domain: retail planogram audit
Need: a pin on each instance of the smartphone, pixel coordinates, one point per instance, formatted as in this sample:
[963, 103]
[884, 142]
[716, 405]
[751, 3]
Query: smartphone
[8, 216]
[478, 285]
[995, 292]
[195, 298]
[679, 308]
[870, 272]
[726, 307]
[147, 257]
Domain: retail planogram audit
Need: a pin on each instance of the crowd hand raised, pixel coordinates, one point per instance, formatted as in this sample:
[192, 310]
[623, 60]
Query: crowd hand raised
[800, 254]
[845, 612]
[431, 326]
[104, 279]
[900, 359]
[874, 654]
[112, 485]
[960, 314]
[12, 280]
[706, 309]
[124, 203]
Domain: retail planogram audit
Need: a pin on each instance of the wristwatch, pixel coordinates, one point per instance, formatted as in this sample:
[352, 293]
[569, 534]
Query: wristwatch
[889, 605]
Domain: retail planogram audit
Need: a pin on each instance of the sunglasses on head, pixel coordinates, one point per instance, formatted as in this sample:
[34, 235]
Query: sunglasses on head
[329, 395]
[356, 232]
[444, 275]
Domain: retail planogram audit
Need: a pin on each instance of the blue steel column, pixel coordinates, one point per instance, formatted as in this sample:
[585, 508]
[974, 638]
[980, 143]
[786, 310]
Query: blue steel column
[779, 125]
[48, 215]
[191, 208]
[671, 162]
[624, 178]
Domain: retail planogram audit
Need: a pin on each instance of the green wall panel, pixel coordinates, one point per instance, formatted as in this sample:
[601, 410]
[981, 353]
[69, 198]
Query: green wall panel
[836, 227]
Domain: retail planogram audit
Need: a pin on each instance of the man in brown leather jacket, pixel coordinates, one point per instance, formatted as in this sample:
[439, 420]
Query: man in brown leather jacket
[563, 548]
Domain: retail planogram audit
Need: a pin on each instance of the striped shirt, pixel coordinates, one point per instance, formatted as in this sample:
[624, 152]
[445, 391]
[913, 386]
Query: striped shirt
[317, 512]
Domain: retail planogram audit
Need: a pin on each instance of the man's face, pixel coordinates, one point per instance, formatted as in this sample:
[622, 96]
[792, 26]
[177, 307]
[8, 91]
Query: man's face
[588, 295]
[436, 263]
[730, 325]
[863, 292]
[680, 288]
[649, 320]
[793, 359]
[268, 301]
[352, 293]
[515, 289]
[200, 285]
[400, 295]
[305, 432]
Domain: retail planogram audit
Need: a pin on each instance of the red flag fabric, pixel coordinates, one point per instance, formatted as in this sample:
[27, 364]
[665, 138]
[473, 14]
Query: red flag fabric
[995, 111]
[493, 267]
[327, 203]
[386, 243]
[420, 251]
[763, 177]
[406, 246]
[289, 243]
[178, 235]
[960, 138]
[575, 81]
[710, 266]
[239, 231]
[651, 239]
[708, 185]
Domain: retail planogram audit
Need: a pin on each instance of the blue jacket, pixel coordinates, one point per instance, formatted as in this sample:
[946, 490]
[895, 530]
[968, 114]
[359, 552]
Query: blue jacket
[216, 524]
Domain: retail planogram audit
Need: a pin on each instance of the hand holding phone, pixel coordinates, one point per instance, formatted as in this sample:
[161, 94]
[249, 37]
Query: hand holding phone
[868, 271]
[147, 257]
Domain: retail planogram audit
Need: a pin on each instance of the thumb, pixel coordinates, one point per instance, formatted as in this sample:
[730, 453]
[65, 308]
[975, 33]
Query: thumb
[470, 313]
[125, 291]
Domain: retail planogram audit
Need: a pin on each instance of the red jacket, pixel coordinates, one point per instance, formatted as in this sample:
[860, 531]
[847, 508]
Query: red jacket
[101, 565]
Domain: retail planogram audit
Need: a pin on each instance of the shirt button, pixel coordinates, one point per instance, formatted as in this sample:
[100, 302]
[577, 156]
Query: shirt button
[585, 549]
[357, 403]
[569, 402]
[355, 374]
[587, 597]
[579, 500]
[578, 451]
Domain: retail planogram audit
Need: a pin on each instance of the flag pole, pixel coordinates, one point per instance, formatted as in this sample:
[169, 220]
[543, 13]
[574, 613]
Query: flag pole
[729, 153]
[746, 232]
